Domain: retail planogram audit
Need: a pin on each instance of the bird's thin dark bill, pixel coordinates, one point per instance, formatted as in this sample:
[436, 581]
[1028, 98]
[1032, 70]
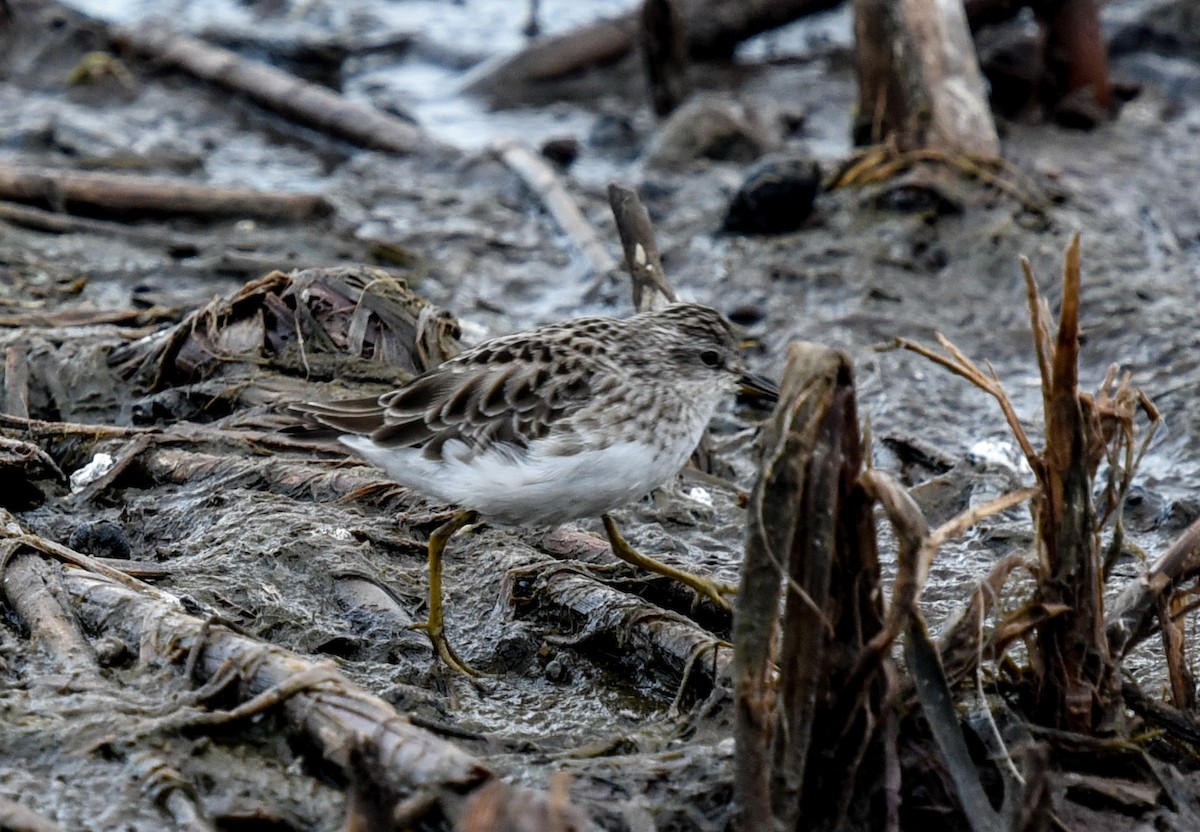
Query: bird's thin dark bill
[760, 386]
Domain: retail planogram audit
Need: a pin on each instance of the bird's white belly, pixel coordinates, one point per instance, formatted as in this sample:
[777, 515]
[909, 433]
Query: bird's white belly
[536, 489]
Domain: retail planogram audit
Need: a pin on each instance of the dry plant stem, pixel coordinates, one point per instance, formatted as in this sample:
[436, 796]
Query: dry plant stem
[919, 80]
[937, 704]
[914, 555]
[917, 549]
[650, 287]
[72, 190]
[808, 514]
[771, 528]
[332, 714]
[1076, 687]
[960, 644]
[959, 364]
[548, 187]
[39, 430]
[293, 98]
[1131, 616]
[1183, 686]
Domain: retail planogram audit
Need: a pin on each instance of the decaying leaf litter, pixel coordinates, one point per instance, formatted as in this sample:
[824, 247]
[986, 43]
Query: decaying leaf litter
[264, 536]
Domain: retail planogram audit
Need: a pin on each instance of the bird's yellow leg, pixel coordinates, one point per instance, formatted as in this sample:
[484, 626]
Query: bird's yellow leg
[713, 590]
[435, 626]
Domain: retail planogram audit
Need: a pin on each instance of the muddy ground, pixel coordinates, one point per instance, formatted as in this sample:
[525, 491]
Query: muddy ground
[647, 743]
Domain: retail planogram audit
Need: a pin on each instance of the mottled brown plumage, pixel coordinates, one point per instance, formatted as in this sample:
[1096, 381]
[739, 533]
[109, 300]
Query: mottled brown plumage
[564, 421]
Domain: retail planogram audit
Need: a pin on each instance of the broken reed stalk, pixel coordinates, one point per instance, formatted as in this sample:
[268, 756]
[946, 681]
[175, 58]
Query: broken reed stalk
[1076, 685]
[807, 746]
[650, 287]
[1079, 688]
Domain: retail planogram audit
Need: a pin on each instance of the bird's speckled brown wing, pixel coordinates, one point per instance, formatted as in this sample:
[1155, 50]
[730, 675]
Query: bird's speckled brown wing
[502, 394]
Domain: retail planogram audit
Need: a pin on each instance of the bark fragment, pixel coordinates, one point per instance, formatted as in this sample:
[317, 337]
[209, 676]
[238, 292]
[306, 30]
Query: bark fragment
[807, 734]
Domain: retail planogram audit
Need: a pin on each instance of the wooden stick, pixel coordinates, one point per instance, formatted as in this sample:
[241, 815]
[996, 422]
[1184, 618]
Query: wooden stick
[37, 219]
[650, 286]
[27, 584]
[73, 190]
[1076, 55]
[278, 91]
[548, 187]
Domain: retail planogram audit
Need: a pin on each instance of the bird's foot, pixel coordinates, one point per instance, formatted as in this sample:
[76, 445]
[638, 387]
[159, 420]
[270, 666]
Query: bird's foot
[714, 591]
[438, 636]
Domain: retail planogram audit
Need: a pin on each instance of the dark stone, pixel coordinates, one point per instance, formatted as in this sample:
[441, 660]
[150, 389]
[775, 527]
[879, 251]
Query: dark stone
[101, 539]
[562, 151]
[776, 196]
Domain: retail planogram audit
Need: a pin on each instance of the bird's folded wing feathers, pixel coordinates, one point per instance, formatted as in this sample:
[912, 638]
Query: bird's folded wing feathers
[480, 405]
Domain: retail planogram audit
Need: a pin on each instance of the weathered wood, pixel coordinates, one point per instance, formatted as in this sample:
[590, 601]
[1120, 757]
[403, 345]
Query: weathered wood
[16, 381]
[76, 191]
[333, 713]
[919, 83]
[27, 590]
[283, 93]
[805, 733]
[714, 29]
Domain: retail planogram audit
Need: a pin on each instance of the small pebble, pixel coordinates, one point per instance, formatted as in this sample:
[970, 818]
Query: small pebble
[556, 671]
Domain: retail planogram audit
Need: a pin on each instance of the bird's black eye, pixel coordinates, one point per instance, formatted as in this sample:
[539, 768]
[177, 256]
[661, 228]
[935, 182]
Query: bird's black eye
[711, 358]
